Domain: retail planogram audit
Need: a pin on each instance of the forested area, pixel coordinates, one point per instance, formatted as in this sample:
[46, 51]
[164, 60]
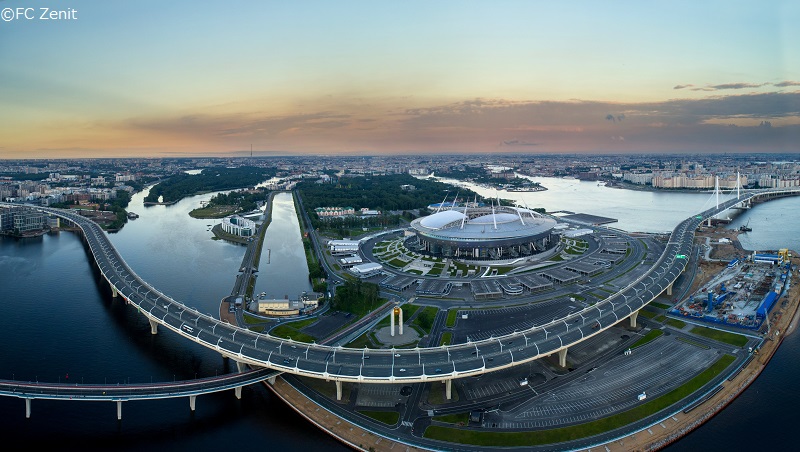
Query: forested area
[382, 193]
[357, 296]
[210, 179]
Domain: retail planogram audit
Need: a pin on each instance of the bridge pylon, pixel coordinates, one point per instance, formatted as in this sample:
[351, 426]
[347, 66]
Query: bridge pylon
[562, 357]
[635, 315]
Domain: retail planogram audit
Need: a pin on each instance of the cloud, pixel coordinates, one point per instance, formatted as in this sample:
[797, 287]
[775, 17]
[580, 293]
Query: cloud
[722, 86]
[255, 125]
[517, 143]
[787, 83]
[736, 86]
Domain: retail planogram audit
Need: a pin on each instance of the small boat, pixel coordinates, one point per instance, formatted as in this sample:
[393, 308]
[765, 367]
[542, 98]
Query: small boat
[745, 227]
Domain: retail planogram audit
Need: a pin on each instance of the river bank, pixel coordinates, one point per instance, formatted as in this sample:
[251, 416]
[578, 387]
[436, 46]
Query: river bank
[784, 320]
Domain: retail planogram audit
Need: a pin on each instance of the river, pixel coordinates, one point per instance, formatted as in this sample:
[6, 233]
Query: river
[61, 325]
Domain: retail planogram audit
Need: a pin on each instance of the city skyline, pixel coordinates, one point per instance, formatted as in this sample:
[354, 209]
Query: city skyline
[200, 79]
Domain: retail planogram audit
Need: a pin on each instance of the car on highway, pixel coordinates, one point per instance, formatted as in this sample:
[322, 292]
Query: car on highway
[402, 370]
[397, 355]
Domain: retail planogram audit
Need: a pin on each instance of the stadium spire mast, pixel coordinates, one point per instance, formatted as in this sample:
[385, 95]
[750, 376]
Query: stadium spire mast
[464, 220]
[494, 219]
[442, 204]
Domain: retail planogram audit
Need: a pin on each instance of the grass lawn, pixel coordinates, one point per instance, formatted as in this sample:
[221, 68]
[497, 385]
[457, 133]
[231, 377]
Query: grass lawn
[651, 335]
[397, 263]
[676, 323]
[452, 418]
[517, 439]
[360, 342]
[659, 305]
[286, 331]
[451, 318]
[436, 394]
[328, 388]
[387, 417]
[647, 314]
[447, 338]
[435, 271]
[696, 344]
[424, 319]
[213, 212]
[721, 336]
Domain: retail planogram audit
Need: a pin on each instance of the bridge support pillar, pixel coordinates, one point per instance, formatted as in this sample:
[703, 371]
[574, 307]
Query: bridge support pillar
[237, 391]
[669, 289]
[271, 381]
[119, 410]
[240, 366]
[633, 318]
[192, 400]
[153, 326]
[114, 292]
[448, 389]
[562, 357]
[338, 390]
[27, 408]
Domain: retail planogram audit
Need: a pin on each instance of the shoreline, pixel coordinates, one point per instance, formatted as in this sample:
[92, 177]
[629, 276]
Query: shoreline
[673, 428]
[785, 321]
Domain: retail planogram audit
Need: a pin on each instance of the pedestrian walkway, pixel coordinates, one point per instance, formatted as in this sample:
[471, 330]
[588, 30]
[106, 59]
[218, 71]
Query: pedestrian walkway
[351, 434]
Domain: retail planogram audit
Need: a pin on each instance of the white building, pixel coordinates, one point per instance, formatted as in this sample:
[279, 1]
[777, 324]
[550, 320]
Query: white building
[350, 261]
[343, 247]
[240, 226]
[366, 270]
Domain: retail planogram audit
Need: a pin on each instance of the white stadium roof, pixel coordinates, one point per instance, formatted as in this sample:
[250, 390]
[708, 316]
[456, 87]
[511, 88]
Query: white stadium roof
[442, 219]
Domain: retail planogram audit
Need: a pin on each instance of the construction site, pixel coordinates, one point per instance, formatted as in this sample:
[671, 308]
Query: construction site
[742, 294]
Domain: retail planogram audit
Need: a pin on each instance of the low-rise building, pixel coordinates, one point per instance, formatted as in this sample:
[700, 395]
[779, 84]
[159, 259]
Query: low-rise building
[366, 270]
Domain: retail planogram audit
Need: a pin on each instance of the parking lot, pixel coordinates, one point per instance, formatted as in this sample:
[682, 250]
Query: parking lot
[613, 386]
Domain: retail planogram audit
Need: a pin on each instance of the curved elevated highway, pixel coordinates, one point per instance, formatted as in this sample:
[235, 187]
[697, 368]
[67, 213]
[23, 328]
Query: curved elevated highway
[401, 365]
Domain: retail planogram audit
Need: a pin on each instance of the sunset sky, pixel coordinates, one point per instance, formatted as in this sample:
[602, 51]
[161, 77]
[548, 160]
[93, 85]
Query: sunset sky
[195, 78]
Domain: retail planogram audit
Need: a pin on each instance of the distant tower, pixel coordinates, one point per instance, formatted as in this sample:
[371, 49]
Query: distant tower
[251, 151]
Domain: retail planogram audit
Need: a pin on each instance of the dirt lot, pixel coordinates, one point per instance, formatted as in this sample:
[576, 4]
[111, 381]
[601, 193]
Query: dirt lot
[723, 251]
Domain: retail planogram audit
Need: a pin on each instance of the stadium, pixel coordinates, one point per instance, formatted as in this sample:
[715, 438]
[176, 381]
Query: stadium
[491, 233]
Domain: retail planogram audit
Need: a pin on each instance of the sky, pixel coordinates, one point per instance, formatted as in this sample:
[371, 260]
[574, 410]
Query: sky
[200, 78]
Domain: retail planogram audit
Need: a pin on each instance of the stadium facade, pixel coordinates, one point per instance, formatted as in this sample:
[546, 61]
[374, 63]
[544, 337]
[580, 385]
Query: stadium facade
[491, 233]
